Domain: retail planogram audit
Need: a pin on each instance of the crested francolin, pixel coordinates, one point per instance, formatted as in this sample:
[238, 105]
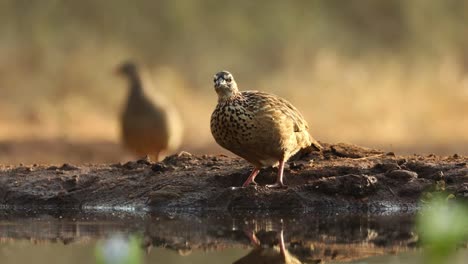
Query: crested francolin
[149, 123]
[262, 128]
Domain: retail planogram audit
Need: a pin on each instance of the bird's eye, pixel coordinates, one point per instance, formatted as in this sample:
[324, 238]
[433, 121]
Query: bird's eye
[228, 79]
[214, 80]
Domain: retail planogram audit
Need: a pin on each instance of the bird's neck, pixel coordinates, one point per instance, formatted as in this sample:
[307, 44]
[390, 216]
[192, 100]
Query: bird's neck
[229, 96]
[136, 85]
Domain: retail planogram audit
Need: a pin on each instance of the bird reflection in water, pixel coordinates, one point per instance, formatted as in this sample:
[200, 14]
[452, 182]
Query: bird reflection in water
[265, 253]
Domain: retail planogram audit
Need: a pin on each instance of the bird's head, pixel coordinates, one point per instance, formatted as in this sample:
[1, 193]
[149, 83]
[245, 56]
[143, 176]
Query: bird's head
[225, 85]
[127, 68]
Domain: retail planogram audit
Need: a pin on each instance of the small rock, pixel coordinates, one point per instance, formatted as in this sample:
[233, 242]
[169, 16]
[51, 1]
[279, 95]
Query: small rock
[184, 154]
[68, 167]
[402, 175]
[296, 166]
[414, 188]
[23, 169]
[358, 186]
[401, 161]
[131, 165]
[178, 159]
[436, 176]
[352, 151]
[159, 167]
[351, 184]
[426, 169]
[70, 184]
[144, 161]
[210, 164]
[387, 167]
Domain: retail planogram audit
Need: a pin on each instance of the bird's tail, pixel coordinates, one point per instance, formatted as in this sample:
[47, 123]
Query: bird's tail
[314, 146]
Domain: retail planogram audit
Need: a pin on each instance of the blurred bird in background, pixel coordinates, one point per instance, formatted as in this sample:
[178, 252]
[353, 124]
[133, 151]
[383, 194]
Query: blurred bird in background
[150, 124]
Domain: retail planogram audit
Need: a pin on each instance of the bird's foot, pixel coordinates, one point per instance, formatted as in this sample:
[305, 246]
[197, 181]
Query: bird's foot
[277, 185]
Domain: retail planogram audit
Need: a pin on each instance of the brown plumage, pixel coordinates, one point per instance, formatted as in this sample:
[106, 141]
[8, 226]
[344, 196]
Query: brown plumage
[262, 128]
[149, 124]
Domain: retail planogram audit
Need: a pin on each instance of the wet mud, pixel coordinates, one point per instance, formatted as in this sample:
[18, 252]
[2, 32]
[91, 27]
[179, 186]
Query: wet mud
[342, 177]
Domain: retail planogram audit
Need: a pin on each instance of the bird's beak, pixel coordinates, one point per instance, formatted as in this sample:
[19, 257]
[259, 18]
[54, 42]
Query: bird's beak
[220, 82]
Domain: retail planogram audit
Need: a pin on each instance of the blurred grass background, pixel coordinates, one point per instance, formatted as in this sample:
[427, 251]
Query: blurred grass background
[383, 73]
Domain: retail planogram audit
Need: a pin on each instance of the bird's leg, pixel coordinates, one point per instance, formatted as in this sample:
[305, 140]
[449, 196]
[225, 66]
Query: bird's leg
[154, 157]
[251, 178]
[281, 244]
[279, 178]
[252, 237]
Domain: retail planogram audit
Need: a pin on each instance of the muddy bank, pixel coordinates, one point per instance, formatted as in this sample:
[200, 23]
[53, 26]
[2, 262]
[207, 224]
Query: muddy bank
[343, 177]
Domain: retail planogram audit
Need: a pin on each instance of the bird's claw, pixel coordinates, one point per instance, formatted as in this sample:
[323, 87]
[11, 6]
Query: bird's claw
[247, 184]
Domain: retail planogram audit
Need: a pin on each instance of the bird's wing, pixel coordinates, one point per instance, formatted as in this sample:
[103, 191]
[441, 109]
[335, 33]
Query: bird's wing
[270, 102]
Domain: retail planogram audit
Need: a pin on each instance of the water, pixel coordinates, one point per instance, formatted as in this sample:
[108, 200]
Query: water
[75, 237]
